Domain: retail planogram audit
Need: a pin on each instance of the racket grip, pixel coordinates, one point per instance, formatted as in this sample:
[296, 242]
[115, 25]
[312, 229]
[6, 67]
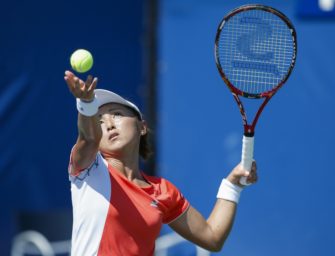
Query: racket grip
[247, 156]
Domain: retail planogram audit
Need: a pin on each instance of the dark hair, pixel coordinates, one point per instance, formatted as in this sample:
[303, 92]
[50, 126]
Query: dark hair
[145, 148]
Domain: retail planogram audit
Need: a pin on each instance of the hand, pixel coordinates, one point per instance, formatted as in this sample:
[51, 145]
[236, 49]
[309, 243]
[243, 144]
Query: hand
[79, 88]
[238, 172]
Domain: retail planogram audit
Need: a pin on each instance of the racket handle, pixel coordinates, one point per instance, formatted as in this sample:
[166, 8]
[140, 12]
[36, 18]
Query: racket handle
[247, 156]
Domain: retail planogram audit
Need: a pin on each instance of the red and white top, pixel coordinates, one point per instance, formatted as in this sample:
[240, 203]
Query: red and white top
[113, 216]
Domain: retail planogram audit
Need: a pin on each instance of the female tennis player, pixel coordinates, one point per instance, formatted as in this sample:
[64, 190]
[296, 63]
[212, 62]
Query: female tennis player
[117, 208]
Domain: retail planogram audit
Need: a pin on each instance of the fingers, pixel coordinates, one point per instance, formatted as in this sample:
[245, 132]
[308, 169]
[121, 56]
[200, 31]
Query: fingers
[253, 177]
[254, 166]
[68, 77]
[88, 81]
[69, 73]
[93, 84]
[239, 171]
[79, 88]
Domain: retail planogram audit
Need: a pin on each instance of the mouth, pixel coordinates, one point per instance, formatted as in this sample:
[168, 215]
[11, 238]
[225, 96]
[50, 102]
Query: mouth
[113, 136]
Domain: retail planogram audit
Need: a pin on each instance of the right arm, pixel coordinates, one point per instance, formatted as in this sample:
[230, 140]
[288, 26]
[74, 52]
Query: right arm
[89, 129]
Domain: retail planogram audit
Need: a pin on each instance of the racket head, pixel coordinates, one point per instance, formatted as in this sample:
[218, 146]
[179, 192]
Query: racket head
[255, 50]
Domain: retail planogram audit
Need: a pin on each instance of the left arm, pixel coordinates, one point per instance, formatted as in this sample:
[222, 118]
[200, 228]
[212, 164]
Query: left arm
[212, 233]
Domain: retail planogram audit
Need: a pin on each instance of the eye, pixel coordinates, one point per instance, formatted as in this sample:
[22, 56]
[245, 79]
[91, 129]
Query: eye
[117, 114]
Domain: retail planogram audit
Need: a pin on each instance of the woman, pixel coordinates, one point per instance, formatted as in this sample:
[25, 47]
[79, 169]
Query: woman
[119, 210]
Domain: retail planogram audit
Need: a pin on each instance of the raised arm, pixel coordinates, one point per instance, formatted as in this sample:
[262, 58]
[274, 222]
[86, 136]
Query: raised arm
[89, 130]
[212, 233]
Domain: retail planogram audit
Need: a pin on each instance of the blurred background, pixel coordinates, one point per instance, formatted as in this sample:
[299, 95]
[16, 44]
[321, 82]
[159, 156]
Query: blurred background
[159, 54]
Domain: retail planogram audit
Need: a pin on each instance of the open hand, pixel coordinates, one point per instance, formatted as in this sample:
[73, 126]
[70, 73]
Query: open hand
[79, 88]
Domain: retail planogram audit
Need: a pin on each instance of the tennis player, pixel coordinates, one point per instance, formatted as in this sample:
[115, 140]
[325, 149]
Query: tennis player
[117, 208]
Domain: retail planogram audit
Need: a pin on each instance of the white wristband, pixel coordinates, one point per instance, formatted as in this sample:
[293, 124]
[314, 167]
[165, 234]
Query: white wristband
[229, 191]
[87, 108]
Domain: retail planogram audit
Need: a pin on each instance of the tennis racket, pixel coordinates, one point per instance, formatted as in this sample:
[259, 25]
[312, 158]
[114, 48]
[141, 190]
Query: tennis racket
[255, 53]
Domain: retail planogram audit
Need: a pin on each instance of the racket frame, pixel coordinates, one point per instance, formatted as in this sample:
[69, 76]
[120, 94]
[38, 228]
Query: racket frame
[249, 129]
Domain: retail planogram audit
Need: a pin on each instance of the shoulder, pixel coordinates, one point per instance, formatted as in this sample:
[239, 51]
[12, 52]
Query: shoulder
[99, 163]
[171, 201]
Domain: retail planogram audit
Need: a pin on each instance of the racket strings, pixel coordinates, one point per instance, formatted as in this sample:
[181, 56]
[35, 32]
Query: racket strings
[255, 50]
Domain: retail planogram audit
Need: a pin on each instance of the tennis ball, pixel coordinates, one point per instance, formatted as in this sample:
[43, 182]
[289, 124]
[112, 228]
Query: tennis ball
[81, 60]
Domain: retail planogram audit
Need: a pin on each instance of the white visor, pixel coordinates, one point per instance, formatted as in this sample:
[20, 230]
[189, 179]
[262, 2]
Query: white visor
[105, 96]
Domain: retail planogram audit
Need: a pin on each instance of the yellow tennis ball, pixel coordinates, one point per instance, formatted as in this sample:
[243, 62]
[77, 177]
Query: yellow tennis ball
[81, 60]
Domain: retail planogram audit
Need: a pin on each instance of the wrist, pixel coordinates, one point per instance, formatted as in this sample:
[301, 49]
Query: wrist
[87, 108]
[88, 100]
[229, 191]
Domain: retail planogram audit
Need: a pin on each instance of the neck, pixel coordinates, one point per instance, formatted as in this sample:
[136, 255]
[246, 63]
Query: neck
[128, 166]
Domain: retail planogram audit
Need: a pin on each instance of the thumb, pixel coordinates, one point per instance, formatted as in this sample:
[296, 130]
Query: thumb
[246, 173]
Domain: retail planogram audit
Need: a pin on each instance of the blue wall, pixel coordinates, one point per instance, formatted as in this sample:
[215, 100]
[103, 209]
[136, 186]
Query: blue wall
[37, 111]
[291, 210]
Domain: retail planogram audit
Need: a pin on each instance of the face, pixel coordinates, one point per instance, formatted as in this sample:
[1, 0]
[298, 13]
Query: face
[121, 130]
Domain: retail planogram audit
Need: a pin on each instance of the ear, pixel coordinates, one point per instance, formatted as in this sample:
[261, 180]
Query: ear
[143, 127]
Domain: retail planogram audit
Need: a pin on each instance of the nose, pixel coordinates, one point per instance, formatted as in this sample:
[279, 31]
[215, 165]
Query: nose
[110, 125]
